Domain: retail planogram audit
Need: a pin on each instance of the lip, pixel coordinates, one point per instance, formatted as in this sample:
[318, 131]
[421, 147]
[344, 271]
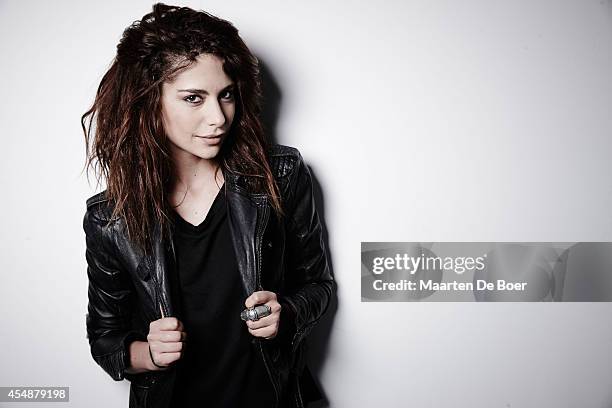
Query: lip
[212, 139]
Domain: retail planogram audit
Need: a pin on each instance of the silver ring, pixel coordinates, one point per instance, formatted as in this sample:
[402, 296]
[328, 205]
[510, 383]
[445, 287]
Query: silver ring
[256, 313]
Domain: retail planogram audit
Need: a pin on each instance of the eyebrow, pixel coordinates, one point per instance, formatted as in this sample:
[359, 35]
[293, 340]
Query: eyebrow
[203, 91]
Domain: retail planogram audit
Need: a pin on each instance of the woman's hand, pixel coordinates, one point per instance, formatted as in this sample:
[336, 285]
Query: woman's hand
[165, 338]
[266, 327]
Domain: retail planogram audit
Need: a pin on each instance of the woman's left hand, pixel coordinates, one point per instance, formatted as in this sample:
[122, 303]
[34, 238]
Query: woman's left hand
[266, 327]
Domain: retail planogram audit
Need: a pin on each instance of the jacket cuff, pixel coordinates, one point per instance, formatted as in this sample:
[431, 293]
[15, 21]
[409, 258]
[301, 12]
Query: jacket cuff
[116, 362]
[286, 328]
[129, 338]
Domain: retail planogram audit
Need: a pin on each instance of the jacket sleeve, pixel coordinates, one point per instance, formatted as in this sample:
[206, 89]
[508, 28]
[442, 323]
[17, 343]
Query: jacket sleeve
[309, 283]
[109, 294]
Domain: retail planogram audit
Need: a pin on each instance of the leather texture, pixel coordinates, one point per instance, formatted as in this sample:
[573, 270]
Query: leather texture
[127, 290]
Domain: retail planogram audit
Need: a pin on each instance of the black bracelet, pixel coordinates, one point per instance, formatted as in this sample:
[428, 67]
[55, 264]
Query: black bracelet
[152, 360]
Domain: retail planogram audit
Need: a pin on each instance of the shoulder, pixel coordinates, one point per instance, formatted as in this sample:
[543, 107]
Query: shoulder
[292, 175]
[101, 229]
[284, 160]
[98, 208]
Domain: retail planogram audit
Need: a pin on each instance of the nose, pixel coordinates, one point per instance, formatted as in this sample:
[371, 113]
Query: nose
[213, 113]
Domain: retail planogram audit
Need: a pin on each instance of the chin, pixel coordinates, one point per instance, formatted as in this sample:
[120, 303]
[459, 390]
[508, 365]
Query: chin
[208, 154]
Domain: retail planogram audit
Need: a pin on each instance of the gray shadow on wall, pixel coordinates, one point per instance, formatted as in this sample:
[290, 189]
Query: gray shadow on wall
[317, 341]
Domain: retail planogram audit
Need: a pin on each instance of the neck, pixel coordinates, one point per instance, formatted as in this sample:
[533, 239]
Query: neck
[196, 174]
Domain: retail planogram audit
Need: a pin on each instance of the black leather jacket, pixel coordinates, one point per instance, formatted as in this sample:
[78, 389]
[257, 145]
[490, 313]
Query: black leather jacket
[127, 289]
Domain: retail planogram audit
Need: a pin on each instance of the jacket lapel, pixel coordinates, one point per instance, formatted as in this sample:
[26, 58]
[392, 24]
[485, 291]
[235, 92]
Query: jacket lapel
[242, 216]
[162, 271]
[247, 216]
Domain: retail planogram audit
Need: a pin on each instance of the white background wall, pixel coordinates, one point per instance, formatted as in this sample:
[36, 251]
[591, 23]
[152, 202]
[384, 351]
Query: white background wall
[422, 121]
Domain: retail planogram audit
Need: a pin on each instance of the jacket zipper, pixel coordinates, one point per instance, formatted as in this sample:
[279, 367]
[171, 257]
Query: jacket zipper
[162, 309]
[258, 241]
[297, 337]
[158, 293]
[259, 238]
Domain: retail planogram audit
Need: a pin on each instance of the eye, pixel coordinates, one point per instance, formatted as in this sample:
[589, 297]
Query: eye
[227, 95]
[193, 99]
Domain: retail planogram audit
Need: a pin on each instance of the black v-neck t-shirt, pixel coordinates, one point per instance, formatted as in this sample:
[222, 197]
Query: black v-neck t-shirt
[221, 366]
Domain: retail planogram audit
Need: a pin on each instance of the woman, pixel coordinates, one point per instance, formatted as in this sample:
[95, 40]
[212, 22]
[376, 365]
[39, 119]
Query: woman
[202, 219]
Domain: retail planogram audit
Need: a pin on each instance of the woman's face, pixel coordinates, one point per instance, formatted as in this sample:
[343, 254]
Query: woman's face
[198, 108]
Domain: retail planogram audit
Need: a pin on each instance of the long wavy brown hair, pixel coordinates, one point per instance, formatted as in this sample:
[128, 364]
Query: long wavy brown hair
[125, 140]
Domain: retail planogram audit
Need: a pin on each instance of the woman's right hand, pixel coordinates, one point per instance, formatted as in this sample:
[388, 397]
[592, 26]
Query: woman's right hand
[166, 341]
